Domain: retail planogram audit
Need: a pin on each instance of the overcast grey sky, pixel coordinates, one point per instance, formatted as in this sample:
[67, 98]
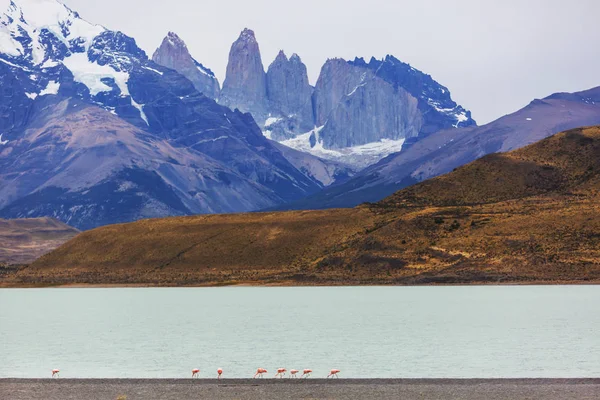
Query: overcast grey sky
[494, 55]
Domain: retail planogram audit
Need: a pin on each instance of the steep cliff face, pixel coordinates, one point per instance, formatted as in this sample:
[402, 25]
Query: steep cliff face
[173, 53]
[245, 86]
[375, 110]
[438, 109]
[289, 95]
[357, 113]
[336, 80]
[356, 107]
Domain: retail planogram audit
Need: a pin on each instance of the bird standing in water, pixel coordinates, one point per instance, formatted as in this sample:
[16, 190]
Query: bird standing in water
[280, 372]
[260, 372]
[333, 372]
[219, 373]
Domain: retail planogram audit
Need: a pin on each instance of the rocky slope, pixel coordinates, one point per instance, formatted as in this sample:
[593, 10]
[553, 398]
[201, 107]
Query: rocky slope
[94, 132]
[173, 53]
[24, 240]
[528, 216]
[445, 150]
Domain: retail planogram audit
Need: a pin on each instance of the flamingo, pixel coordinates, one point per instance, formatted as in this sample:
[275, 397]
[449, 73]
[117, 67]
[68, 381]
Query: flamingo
[306, 372]
[219, 373]
[260, 372]
[293, 373]
[55, 372]
[280, 372]
[195, 372]
[333, 372]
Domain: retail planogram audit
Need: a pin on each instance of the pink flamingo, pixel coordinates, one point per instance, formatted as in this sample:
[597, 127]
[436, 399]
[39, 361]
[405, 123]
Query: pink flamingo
[280, 372]
[293, 373]
[306, 372]
[55, 372]
[333, 372]
[260, 372]
[195, 372]
[219, 373]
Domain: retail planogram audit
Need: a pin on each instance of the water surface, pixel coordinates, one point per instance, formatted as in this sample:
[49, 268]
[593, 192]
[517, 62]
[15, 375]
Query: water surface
[395, 332]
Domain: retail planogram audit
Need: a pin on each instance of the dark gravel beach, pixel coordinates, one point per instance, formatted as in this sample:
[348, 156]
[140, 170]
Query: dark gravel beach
[267, 389]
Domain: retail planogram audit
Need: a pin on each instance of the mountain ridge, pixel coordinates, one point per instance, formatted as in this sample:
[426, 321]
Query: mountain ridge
[58, 64]
[441, 152]
[541, 226]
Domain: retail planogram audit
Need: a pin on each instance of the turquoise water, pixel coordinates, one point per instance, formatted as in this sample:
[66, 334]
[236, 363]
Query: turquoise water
[474, 331]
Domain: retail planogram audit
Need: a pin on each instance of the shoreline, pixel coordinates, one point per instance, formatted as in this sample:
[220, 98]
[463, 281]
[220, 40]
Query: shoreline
[7, 285]
[312, 388]
[313, 381]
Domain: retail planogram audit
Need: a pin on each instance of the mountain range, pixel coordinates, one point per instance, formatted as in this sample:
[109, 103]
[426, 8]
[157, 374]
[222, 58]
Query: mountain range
[95, 132]
[526, 216]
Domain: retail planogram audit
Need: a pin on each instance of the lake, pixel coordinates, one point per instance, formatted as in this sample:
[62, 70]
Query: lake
[392, 332]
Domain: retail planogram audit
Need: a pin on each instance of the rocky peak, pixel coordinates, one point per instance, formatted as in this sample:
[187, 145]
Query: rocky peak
[173, 53]
[247, 35]
[281, 58]
[245, 86]
[289, 95]
[435, 102]
[295, 58]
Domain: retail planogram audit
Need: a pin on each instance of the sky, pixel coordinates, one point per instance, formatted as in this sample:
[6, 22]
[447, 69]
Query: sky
[495, 56]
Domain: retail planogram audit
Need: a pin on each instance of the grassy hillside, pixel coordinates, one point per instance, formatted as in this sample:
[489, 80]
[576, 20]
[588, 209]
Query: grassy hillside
[532, 215]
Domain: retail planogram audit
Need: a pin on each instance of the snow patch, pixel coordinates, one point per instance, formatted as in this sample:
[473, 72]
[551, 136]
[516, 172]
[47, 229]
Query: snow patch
[203, 71]
[8, 44]
[2, 142]
[91, 74]
[14, 65]
[528, 119]
[49, 64]
[51, 88]
[32, 96]
[272, 120]
[358, 156]
[141, 109]
[31, 17]
[153, 70]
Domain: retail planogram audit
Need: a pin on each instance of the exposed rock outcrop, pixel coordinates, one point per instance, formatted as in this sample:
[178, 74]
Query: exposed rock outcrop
[245, 86]
[173, 53]
[289, 95]
[374, 110]
[438, 109]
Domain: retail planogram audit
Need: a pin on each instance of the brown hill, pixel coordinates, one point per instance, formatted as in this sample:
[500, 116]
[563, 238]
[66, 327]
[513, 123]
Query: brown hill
[562, 164]
[24, 240]
[531, 215]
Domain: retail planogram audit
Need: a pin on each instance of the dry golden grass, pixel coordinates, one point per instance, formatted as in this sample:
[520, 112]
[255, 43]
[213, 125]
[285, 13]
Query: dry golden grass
[528, 216]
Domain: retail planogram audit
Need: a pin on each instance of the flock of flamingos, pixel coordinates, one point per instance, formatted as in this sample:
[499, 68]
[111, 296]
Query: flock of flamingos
[259, 373]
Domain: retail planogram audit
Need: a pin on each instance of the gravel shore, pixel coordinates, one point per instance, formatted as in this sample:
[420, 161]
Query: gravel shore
[267, 389]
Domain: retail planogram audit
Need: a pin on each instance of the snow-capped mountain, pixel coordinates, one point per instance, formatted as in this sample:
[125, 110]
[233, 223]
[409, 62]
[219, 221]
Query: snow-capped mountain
[91, 122]
[358, 112]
